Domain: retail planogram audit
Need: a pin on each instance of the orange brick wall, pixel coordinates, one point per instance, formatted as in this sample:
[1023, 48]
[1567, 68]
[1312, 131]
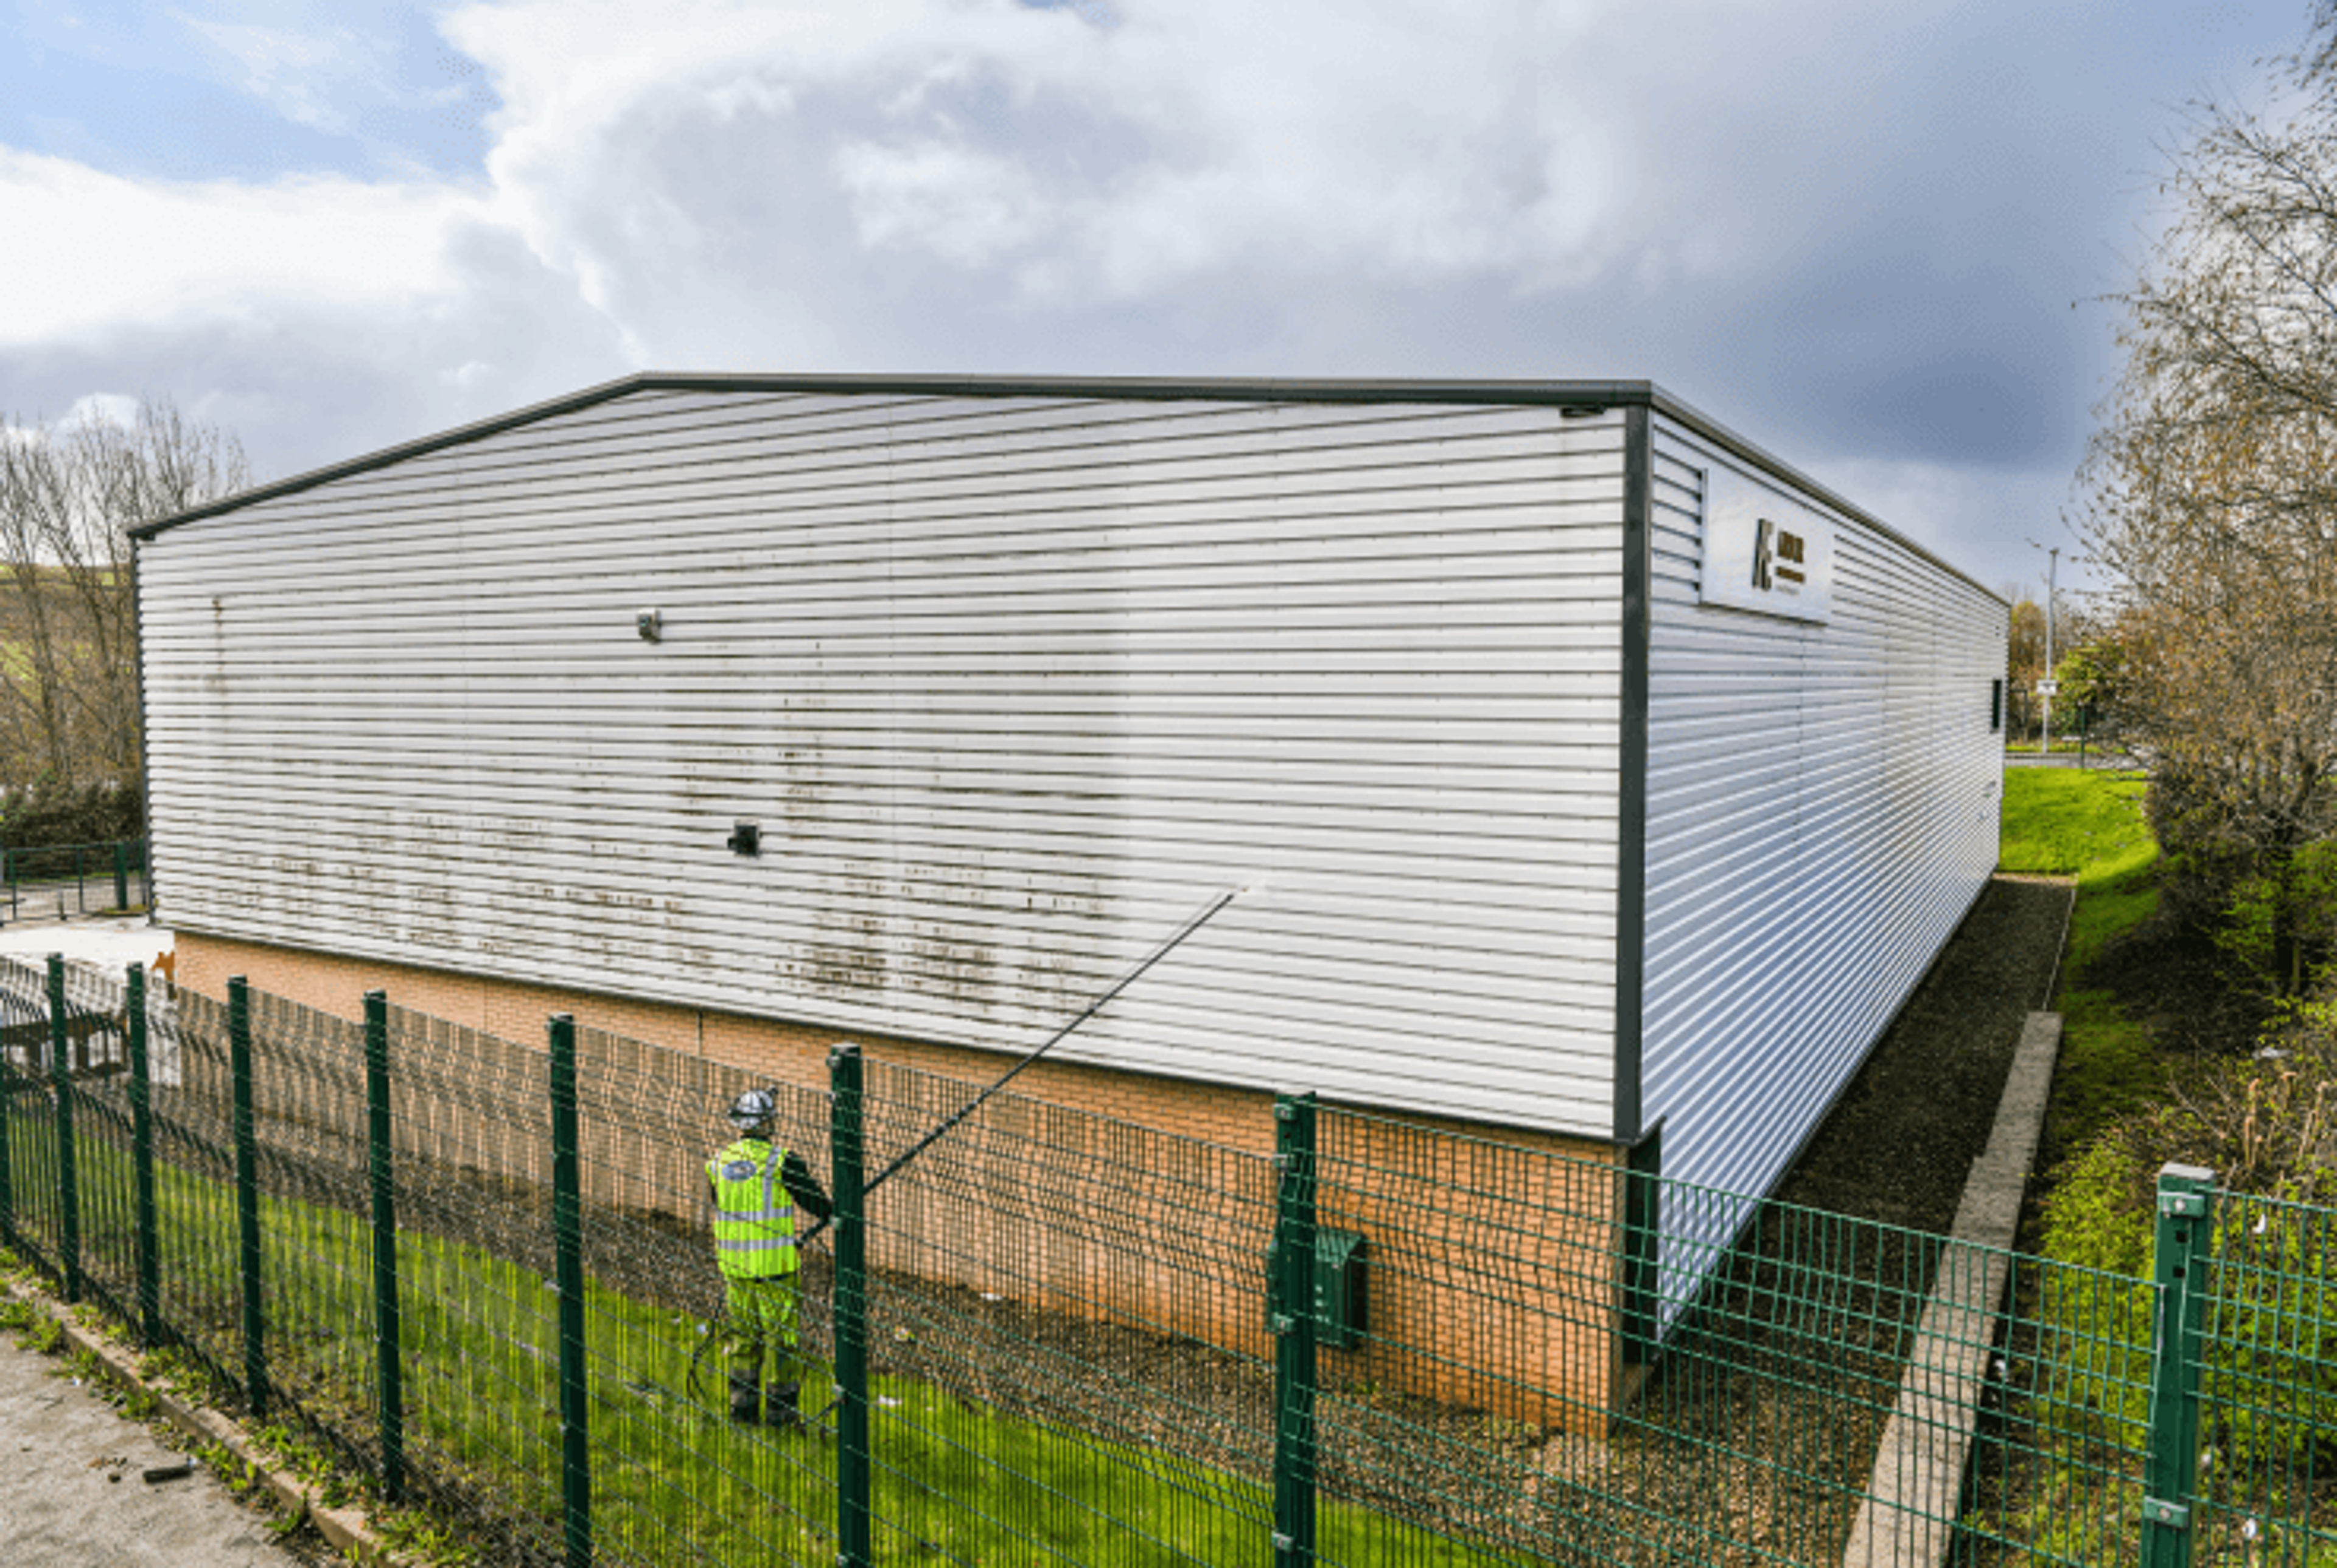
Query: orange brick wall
[1526, 1287]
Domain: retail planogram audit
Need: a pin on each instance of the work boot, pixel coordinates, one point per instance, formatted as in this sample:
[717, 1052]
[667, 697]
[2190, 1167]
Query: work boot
[782, 1411]
[745, 1397]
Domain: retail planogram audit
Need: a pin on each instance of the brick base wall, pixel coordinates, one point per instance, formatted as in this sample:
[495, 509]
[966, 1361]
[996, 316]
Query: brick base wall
[1507, 1266]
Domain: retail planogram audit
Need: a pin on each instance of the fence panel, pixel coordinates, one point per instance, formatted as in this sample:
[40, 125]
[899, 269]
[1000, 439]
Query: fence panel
[59, 882]
[470, 1117]
[2266, 1491]
[38, 1206]
[200, 1294]
[103, 1163]
[674, 1479]
[2060, 1374]
[1067, 1335]
[1072, 1344]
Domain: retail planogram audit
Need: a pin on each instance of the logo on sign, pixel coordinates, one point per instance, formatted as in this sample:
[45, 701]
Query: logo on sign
[1778, 557]
[1765, 551]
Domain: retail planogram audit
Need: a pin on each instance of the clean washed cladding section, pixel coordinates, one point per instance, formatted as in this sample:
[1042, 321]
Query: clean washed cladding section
[1010, 684]
[1823, 789]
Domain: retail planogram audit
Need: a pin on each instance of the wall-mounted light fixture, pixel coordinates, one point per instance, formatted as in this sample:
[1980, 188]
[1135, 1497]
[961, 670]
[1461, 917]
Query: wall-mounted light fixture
[650, 625]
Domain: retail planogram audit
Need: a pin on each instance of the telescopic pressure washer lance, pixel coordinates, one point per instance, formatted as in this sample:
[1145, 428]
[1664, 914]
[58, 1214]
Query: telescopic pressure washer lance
[709, 1334]
[1091, 1010]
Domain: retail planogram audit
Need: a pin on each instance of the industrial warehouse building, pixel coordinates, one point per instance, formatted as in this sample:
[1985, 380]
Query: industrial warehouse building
[1579, 772]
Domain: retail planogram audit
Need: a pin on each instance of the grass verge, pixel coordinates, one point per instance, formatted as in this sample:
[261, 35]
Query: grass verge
[2082, 824]
[673, 1480]
[2089, 827]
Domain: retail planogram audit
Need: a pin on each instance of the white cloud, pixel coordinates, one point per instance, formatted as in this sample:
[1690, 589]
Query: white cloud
[1105, 164]
[112, 408]
[119, 255]
[964, 206]
[930, 181]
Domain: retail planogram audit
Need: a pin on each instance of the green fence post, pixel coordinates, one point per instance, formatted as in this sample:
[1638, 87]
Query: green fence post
[121, 875]
[389, 1379]
[2187, 1222]
[848, 1164]
[1290, 1309]
[1642, 1240]
[568, 1242]
[246, 1195]
[141, 1156]
[68, 1183]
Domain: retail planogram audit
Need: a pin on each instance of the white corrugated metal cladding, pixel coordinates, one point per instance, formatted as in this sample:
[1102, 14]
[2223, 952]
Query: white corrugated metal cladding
[1822, 808]
[1580, 767]
[1011, 683]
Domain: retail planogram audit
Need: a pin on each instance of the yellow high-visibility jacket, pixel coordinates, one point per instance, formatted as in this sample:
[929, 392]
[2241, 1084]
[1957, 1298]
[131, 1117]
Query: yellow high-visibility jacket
[754, 1212]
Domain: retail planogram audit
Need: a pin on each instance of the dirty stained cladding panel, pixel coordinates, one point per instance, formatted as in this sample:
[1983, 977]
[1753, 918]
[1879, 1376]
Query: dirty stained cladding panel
[1012, 686]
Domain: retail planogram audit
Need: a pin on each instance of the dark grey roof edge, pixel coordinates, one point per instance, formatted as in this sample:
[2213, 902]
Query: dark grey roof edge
[1556, 394]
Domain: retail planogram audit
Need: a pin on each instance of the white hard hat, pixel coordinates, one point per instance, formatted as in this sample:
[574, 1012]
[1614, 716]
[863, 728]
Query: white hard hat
[755, 1108]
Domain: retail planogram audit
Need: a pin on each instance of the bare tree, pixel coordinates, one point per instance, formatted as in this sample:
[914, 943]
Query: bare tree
[69, 664]
[2212, 493]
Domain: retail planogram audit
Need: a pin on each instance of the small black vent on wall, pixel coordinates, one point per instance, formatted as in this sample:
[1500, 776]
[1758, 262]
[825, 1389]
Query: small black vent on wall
[746, 839]
[1996, 704]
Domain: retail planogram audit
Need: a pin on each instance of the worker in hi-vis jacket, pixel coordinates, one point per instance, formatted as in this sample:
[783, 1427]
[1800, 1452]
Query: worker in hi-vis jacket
[758, 1187]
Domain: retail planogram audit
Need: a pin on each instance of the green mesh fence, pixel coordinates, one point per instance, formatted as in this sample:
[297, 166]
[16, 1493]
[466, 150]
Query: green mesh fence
[59, 882]
[2266, 1365]
[1513, 1390]
[1066, 1335]
[1056, 1337]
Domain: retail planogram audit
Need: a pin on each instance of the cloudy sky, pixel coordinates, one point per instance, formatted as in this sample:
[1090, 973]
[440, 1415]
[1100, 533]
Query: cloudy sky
[1873, 237]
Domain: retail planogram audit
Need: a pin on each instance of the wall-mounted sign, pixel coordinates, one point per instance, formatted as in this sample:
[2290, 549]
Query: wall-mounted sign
[1763, 550]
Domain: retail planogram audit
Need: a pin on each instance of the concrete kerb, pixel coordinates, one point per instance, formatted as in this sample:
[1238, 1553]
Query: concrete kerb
[349, 1531]
[1908, 1519]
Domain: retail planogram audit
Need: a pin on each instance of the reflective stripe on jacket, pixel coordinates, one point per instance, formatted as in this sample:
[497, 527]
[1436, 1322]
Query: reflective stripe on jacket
[754, 1217]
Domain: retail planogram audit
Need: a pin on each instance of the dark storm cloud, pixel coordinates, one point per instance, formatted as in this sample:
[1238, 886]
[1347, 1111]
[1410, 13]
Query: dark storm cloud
[1854, 231]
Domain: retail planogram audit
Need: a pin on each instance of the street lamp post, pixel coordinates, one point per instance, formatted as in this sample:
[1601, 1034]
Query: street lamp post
[2052, 576]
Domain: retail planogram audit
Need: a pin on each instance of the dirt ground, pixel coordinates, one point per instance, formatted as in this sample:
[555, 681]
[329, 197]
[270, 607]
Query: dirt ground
[2173, 978]
[1904, 1135]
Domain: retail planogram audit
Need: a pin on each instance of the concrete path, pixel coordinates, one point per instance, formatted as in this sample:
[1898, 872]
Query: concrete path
[2092, 761]
[71, 1495]
[1908, 1520]
[70, 1489]
[112, 943]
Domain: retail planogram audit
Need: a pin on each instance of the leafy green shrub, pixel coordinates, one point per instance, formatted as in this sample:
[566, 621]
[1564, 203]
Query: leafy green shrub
[47, 812]
[2303, 891]
[2258, 873]
[2267, 1128]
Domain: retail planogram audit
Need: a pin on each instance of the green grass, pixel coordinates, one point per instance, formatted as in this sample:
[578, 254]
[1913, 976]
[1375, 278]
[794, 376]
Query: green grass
[2089, 827]
[2074, 823]
[673, 1480]
[2108, 1066]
